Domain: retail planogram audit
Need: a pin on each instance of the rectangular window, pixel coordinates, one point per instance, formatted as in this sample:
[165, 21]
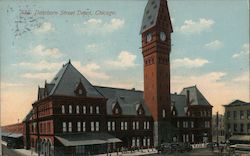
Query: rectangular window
[148, 142]
[92, 126]
[64, 127]
[229, 127]
[235, 127]
[77, 109]
[187, 138]
[137, 125]
[97, 110]
[248, 114]
[133, 125]
[97, 126]
[178, 124]
[126, 125]
[113, 126]
[241, 114]
[84, 126]
[70, 127]
[192, 137]
[109, 126]
[163, 113]
[79, 126]
[248, 127]
[144, 125]
[228, 115]
[70, 109]
[235, 114]
[192, 124]
[148, 125]
[63, 109]
[91, 110]
[241, 128]
[144, 142]
[122, 126]
[84, 109]
[138, 142]
[133, 142]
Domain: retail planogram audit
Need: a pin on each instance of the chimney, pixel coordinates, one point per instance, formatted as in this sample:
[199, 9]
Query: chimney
[188, 98]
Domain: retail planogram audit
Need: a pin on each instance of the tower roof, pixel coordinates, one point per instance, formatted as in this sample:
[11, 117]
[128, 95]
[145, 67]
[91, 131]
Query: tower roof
[150, 16]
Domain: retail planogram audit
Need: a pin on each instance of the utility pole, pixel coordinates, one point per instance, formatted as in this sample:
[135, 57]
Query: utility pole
[217, 126]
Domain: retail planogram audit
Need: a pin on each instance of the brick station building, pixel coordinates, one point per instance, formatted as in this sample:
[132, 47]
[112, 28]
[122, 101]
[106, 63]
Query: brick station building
[72, 116]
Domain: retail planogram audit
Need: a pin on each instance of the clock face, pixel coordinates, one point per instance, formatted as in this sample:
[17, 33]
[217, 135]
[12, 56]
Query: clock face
[162, 36]
[149, 37]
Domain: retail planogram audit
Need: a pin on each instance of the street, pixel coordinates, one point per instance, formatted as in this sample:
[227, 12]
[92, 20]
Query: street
[9, 152]
[196, 152]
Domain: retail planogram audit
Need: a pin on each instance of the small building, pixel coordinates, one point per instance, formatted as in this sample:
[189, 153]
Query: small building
[237, 119]
[218, 129]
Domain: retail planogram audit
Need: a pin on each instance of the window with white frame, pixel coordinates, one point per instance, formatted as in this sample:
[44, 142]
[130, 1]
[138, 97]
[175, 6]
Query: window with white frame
[138, 142]
[97, 110]
[137, 125]
[70, 127]
[140, 112]
[116, 111]
[92, 126]
[133, 125]
[91, 109]
[187, 138]
[77, 109]
[109, 126]
[148, 125]
[163, 113]
[192, 124]
[84, 126]
[84, 109]
[125, 125]
[79, 126]
[113, 126]
[97, 126]
[63, 109]
[122, 125]
[174, 113]
[148, 142]
[70, 109]
[64, 127]
[144, 142]
[133, 142]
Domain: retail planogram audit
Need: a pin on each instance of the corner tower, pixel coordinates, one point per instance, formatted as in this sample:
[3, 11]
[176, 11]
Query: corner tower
[156, 32]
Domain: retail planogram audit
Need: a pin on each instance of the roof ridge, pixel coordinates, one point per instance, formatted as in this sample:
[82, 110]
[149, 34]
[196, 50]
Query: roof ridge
[118, 88]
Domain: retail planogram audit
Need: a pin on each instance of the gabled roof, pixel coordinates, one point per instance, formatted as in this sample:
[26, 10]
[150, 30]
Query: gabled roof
[195, 96]
[237, 103]
[128, 100]
[66, 81]
[151, 13]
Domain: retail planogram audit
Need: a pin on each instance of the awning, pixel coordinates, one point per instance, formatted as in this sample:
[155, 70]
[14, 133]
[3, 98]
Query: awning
[240, 137]
[78, 139]
[11, 135]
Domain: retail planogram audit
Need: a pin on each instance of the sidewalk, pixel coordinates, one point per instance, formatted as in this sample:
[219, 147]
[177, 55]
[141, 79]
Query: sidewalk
[128, 153]
[22, 151]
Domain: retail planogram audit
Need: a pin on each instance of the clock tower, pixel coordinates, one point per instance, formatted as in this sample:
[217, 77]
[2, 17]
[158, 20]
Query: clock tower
[156, 32]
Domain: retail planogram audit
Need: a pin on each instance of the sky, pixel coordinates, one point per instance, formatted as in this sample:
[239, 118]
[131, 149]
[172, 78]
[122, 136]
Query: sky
[210, 47]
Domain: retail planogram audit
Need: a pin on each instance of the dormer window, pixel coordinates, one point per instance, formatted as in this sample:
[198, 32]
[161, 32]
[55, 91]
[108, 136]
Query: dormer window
[116, 111]
[174, 113]
[140, 112]
[80, 90]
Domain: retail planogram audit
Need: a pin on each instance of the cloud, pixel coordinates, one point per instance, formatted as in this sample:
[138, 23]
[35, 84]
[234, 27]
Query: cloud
[91, 70]
[94, 47]
[189, 63]
[5, 85]
[216, 44]
[40, 65]
[38, 76]
[97, 26]
[243, 78]
[244, 51]
[45, 28]
[196, 27]
[41, 50]
[124, 60]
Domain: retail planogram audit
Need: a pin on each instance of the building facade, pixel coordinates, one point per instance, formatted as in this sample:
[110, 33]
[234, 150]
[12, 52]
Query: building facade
[72, 116]
[237, 119]
[218, 128]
